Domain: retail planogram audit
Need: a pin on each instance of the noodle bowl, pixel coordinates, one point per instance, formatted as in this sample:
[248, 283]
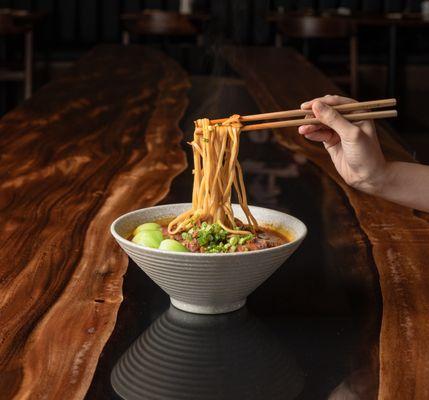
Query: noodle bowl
[210, 226]
[200, 253]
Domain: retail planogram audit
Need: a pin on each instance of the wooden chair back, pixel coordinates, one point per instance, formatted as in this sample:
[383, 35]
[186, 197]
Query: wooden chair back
[311, 27]
[7, 25]
[161, 23]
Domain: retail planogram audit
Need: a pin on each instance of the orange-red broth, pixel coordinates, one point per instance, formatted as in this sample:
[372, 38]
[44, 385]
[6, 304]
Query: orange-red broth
[267, 237]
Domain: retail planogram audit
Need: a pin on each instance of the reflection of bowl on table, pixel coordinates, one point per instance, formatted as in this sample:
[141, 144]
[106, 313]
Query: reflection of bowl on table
[207, 283]
[188, 356]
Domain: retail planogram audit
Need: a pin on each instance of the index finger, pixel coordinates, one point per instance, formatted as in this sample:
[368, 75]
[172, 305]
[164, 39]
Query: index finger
[328, 99]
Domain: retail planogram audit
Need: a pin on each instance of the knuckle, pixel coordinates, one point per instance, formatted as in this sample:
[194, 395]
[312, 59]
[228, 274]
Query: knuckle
[354, 132]
[330, 116]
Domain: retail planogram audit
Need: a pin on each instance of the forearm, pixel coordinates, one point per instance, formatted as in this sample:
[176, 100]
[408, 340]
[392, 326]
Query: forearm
[406, 184]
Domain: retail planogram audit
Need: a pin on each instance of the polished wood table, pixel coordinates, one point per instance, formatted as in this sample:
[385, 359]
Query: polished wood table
[73, 158]
[398, 236]
[347, 311]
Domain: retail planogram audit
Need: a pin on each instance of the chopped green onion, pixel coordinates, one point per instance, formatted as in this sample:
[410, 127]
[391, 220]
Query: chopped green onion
[245, 239]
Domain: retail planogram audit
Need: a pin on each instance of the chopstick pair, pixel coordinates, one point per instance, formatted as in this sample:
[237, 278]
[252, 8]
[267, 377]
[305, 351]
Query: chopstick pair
[342, 109]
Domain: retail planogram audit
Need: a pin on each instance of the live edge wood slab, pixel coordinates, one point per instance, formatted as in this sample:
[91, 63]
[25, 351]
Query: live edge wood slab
[281, 79]
[98, 142]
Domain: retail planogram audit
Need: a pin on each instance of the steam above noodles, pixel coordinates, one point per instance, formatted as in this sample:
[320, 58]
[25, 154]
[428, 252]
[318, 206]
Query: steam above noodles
[217, 173]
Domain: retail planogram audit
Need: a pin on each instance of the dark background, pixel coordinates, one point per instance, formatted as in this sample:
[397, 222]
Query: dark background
[72, 27]
[81, 23]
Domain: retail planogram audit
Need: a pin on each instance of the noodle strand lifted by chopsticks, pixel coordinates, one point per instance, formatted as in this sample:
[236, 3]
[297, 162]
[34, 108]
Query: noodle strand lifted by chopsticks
[216, 173]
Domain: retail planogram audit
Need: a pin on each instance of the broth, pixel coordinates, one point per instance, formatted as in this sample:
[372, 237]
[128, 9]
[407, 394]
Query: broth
[266, 237]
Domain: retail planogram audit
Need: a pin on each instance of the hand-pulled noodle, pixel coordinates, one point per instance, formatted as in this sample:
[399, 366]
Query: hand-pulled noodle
[217, 173]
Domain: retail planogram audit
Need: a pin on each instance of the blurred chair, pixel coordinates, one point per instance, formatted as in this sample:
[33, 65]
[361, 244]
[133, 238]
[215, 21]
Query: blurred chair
[9, 28]
[158, 23]
[312, 27]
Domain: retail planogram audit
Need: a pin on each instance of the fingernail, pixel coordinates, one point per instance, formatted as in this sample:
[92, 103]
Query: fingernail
[305, 104]
[319, 106]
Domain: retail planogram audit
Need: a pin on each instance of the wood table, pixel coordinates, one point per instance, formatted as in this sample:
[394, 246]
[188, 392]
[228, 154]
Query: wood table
[349, 306]
[101, 140]
[398, 236]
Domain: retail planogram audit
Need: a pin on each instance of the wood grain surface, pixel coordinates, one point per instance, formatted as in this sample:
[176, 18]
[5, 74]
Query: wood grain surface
[100, 141]
[282, 79]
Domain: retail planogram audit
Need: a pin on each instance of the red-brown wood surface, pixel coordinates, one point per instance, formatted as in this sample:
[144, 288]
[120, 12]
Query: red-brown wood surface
[98, 142]
[281, 79]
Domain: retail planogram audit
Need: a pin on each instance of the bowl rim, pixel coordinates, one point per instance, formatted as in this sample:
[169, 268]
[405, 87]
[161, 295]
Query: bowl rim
[179, 254]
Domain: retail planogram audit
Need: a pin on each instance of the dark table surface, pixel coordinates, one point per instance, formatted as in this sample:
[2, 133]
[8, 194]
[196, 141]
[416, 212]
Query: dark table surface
[309, 331]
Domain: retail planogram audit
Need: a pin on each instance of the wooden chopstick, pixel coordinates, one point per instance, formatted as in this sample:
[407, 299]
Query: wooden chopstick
[343, 108]
[311, 121]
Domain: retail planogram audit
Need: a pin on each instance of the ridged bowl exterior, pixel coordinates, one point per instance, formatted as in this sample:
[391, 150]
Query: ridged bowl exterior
[207, 283]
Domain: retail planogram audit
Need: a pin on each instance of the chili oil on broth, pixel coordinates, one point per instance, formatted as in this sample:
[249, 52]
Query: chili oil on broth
[268, 232]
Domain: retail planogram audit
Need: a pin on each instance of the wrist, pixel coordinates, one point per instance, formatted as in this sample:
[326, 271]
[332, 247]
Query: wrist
[376, 183]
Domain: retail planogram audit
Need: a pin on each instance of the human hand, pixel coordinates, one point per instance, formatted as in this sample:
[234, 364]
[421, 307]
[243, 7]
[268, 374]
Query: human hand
[353, 147]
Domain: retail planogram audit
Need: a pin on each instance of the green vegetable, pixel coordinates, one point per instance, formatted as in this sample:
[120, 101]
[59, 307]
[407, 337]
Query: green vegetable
[148, 226]
[186, 236]
[148, 239]
[204, 237]
[246, 238]
[214, 239]
[233, 241]
[172, 245]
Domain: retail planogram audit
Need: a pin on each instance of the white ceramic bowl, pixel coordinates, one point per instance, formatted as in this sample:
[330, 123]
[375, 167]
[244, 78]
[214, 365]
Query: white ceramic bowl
[207, 283]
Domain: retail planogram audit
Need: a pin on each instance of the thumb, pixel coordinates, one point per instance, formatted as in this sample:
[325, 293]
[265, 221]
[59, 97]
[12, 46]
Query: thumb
[334, 120]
